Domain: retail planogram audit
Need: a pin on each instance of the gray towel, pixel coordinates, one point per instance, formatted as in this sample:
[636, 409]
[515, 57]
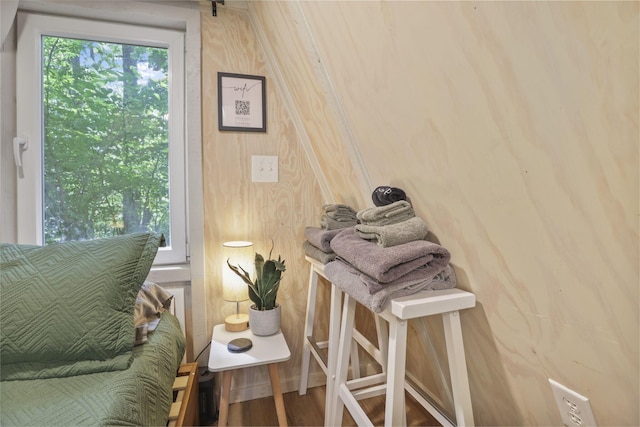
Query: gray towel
[388, 264]
[394, 234]
[315, 253]
[350, 281]
[340, 212]
[329, 223]
[339, 208]
[388, 214]
[420, 275]
[320, 238]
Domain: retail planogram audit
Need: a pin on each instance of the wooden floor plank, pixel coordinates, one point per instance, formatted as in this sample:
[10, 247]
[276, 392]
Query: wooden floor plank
[308, 410]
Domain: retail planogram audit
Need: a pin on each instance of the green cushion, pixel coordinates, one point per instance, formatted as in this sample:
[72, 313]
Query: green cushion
[67, 309]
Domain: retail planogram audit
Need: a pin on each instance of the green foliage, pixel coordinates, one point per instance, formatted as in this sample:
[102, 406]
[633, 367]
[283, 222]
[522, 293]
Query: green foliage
[105, 139]
[264, 289]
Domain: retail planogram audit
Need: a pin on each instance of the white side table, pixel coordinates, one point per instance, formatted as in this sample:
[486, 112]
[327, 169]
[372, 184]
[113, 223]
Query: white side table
[265, 351]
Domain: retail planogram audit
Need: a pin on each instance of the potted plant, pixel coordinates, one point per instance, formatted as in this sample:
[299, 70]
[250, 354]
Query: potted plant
[264, 314]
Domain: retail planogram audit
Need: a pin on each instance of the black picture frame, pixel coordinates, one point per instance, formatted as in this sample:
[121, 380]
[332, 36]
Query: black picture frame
[242, 102]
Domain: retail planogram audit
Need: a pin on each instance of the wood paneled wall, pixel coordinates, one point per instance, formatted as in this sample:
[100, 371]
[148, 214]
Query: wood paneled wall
[513, 126]
[238, 209]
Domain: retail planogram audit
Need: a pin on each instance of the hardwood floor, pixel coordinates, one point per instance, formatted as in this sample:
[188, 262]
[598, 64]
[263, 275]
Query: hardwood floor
[308, 410]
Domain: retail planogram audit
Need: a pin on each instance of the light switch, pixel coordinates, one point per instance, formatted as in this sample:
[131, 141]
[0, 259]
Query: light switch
[264, 168]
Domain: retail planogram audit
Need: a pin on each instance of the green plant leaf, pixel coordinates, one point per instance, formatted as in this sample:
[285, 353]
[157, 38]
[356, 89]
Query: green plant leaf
[270, 297]
[264, 290]
[255, 298]
[244, 274]
[259, 264]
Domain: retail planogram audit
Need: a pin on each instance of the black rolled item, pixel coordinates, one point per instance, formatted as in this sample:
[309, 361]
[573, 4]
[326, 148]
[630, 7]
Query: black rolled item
[385, 195]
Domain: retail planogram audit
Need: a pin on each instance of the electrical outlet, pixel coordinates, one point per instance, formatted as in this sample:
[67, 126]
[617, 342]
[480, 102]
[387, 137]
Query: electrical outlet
[264, 168]
[575, 409]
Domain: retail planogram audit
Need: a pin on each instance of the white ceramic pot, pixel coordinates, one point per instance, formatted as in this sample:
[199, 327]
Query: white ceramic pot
[264, 322]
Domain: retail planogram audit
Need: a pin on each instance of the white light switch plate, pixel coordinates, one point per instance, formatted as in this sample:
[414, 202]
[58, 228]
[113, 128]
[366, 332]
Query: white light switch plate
[264, 168]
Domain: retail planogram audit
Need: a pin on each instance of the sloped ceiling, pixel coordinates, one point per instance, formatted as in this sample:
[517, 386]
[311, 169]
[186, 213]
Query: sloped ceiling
[513, 128]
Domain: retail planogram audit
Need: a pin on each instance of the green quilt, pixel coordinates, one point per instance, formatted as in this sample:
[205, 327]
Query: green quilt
[138, 396]
[67, 308]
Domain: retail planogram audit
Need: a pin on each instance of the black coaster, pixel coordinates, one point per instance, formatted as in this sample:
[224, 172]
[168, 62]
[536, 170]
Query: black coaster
[239, 345]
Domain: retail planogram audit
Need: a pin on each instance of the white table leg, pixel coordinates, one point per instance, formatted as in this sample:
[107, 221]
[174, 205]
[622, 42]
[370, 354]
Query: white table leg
[394, 407]
[342, 363]
[458, 369]
[355, 360]
[334, 336]
[383, 340]
[308, 330]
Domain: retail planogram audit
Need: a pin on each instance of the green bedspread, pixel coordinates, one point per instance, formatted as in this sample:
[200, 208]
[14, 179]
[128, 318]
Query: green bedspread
[140, 395]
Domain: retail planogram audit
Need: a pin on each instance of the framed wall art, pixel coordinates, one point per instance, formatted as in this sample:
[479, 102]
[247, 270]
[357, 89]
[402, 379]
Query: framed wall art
[241, 103]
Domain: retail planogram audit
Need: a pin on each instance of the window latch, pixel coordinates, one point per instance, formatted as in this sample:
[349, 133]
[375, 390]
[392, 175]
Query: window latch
[214, 9]
[19, 146]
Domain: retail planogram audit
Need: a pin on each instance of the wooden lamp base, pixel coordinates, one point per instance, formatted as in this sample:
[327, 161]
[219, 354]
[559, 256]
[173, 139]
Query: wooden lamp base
[237, 322]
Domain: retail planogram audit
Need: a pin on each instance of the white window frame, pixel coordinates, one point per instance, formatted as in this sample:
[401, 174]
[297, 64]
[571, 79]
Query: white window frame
[31, 27]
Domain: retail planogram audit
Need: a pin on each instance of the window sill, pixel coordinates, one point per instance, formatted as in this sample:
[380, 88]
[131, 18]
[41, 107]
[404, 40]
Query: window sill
[170, 273]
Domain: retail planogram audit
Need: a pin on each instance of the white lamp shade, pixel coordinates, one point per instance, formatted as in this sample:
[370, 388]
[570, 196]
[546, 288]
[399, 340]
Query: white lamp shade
[238, 253]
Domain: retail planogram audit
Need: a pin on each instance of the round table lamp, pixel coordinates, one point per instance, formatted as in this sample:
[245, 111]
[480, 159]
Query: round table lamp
[234, 289]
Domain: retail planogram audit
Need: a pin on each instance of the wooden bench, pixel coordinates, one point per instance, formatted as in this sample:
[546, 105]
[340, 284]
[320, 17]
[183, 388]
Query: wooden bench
[184, 409]
[346, 393]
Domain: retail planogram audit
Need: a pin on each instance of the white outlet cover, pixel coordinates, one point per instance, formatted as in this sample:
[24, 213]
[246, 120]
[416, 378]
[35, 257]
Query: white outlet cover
[264, 168]
[575, 409]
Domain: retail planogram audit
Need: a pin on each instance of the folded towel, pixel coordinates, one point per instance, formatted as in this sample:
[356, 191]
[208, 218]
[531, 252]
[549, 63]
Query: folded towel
[315, 253]
[328, 223]
[320, 238]
[385, 195]
[384, 211]
[389, 214]
[338, 208]
[420, 275]
[340, 212]
[338, 216]
[388, 264]
[349, 280]
[394, 234]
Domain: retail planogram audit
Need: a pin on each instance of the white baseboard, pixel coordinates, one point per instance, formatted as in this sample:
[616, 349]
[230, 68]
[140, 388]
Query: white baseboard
[257, 391]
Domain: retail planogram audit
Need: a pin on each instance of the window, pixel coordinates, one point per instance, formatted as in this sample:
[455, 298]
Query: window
[102, 108]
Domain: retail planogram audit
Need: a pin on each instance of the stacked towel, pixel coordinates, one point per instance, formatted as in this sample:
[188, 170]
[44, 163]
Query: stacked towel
[320, 238]
[379, 253]
[374, 274]
[337, 216]
[388, 264]
[388, 214]
[317, 254]
[317, 245]
[355, 283]
[421, 275]
[339, 211]
[394, 234]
